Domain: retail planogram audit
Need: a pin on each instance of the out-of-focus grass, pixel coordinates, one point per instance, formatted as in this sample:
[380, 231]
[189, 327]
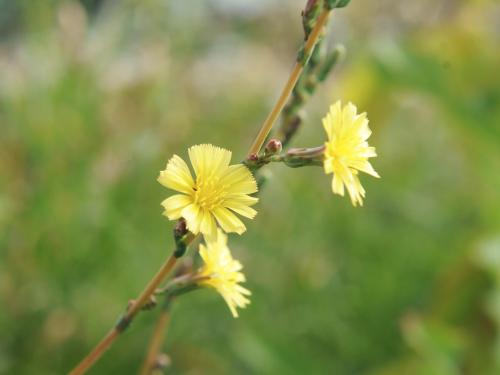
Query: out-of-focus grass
[93, 101]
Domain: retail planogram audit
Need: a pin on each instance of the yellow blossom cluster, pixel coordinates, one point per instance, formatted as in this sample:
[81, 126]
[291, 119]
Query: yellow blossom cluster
[210, 202]
[211, 198]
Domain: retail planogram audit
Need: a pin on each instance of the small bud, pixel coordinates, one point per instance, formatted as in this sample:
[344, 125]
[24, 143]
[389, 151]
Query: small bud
[300, 157]
[180, 233]
[309, 15]
[274, 146]
[162, 361]
[253, 158]
[180, 228]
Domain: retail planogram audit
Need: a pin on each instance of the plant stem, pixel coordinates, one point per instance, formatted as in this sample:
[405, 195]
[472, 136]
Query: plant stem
[290, 84]
[156, 341]
[96, 353]
[317, 71]
[178, 286]
[126, 319]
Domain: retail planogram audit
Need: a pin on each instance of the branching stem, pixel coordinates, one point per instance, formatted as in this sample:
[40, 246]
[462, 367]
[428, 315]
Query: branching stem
[156, 340]
[182, 242]
[179, 285]
[130, 314]
[291, 82]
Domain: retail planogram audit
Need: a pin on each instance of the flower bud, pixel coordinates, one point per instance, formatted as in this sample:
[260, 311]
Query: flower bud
[274, 146]
[301, 157]
[180, 233]
[253, 157]
[180, 228]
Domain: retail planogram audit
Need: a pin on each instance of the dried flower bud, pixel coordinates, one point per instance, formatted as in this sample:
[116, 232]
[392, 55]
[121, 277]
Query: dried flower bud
[180, 228]
[180, 232]
[274, 146]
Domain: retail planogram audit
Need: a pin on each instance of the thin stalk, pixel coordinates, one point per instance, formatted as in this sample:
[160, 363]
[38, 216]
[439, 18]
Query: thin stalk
[178, 286]
[313, 38]
[126, 319]
[290, 84]
[156, 341]
[96, 353]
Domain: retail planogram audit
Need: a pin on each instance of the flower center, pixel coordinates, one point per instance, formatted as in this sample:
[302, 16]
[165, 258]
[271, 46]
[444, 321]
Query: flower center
[208, 193]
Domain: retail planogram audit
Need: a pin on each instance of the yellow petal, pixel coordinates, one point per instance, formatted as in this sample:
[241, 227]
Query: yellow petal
[337, 185]
[356, 191]
[331, 122]
[328, 165]
[174, 205]
[208, 226]
[348, 115]
[244, 291]
[228, 221]
[208, 159]
[231, 306]
[361, 125]
[238, 179]
[193, 215]
[243, 199]
[220, 160]
[364, 166]
[368, 152]
[240, 207]
[177, 176]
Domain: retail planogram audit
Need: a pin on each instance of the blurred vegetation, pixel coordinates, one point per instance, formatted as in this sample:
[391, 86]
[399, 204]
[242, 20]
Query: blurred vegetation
[96, 96]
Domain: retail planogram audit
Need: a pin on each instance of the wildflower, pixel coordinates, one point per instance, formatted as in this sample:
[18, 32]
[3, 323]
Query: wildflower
[222, 272]
[217, 192]
[347, 150]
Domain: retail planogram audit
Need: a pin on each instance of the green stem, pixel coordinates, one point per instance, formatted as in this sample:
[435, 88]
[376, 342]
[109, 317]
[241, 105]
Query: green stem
[290, 84]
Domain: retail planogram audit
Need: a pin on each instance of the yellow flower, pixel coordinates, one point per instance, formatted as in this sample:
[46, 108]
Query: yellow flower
[218, 191]
[222, 272]
[347, 150]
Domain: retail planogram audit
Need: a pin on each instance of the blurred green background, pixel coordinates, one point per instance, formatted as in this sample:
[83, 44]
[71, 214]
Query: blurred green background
[95, 96]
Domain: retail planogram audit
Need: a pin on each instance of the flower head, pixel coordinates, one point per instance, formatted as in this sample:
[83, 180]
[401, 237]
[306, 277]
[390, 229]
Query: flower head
[217, 192]
[222, 272]
[347, 150]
